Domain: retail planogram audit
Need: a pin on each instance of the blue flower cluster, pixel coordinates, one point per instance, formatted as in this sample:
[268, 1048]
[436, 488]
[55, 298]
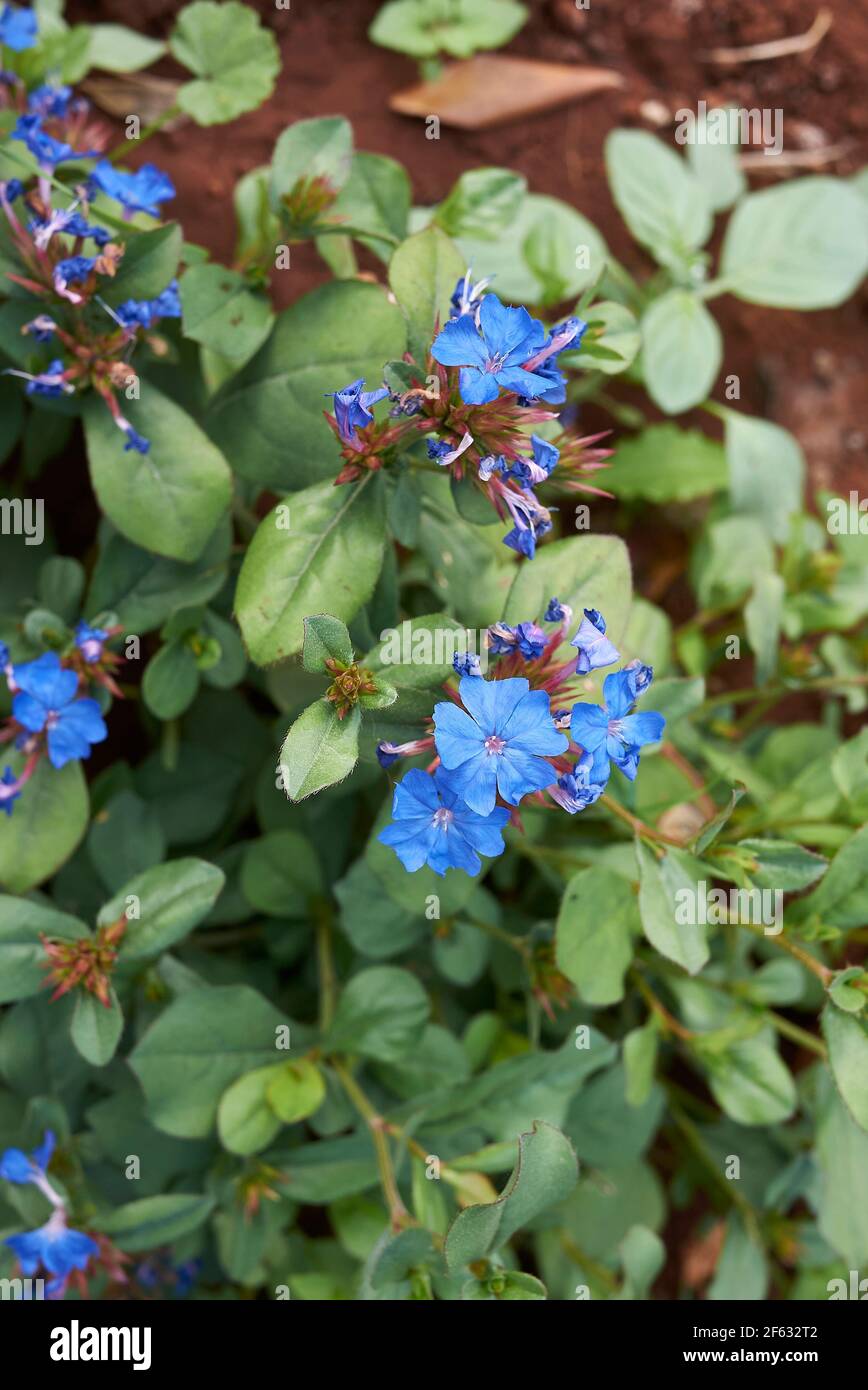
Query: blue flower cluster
[18, 28]
[496, 739]
[54, 1247]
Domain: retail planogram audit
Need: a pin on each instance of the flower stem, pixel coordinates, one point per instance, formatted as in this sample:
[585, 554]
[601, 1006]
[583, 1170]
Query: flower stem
[398, 1214]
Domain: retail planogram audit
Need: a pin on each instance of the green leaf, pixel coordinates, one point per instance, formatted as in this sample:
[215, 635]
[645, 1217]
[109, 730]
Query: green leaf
[667, 464]
[595, 929]
[148, 267]
[643, 1255]
[281, 875]
[46, 825]
[662, 202]
[234, 58]
[22, 956]
[845, 993]
[268, 419]
[802, 245]
[154, 1221]
[766, 471]
[661, 882]
[325, 638]
[330, 556]
[547, 253]
[422, 275]
[424, 28]
[170, 680]
[198, 1046]
[841, 900]
[481, 203]
[221, 311]
[169, 500]
[319, 148]
[546, 1173]
[115, 48]
[144, 589]
[715, 164]
[640, 1061]
[847, 1040]
[749, 1081]
[377, 926]
[782, 864]
[842, 1190]
[95, 1029]
[681, 351]
[382, 1014]
[171, 899]
[125, 838]
[245, 1121]
[763, 616]
[742, 1271]
[319, 750]
[374, 203]
[61, 584]
[296, 1090]
[395, 1260]
[612, 328]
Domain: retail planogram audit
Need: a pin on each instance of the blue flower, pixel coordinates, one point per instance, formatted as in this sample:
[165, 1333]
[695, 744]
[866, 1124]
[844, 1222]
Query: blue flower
[7, 797]
[640, 677]
[445, 453]
[12, 189]
[16, 1167]
[41, 329]
[90, 640]
[578, 789]
[56, 1248]
[501, 639]
[568, 334]
[531, 640]
[498, 742]
[526, 472]
[531, 519]
[433, 826]
[611, 731]
[143, 313]
[466, 664]
[595, 649]
[47, 700]
[49, 383]
[491, 356]
[557, 612]
[142, 191]
[466, 296]
[135, 440]
[49, 102]
[352, 407]
[75, 270]
[47, 151]
[18, 29]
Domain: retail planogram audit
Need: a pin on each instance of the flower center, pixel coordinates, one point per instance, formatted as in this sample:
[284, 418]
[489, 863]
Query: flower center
[493, 744]
[614, 729]
[443, 818]
[51, 718]
[494, 364]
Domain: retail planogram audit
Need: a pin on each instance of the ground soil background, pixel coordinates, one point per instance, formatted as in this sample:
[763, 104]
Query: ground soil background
[808, 371]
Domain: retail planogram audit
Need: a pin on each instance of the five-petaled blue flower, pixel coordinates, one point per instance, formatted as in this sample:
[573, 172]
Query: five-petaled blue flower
[15, 1166]
[595, 649]
[46, 699]
[50, 101]
[353, 407]
[492, 356]
[432, 825]
[531, 521]
[75, 270]
[56, 1248]
[526, 471]
[90, 640]
[498, 742]
[142, 191]
[18, 29]
[611, 731]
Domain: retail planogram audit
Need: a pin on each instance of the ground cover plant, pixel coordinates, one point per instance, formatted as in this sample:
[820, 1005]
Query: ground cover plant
[398, 902]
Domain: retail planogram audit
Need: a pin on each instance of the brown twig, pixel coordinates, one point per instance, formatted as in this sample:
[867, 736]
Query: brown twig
[778, 48]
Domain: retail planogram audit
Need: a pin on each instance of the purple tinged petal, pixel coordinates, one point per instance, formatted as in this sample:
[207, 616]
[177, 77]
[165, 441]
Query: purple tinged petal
[459, 344]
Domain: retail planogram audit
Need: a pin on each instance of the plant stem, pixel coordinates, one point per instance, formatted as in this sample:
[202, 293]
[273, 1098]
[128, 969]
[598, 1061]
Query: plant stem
[153, 129]
[654, 837]
[777, 692]
[669, 1021]
[816, 967]
[398, 1214]
[325, 963]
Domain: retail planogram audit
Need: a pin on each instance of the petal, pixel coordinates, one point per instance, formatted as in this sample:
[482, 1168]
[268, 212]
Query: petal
[484, 833]
[506, 329]
[522, 382]
[415, 795]
[456, 735]
[519, 773]
[618, 694]
[458, 853]
[46, 680]
[459, 344]
[639, 729]
[29, 712]
[15, 1166]
[477, 387]
[411, 849]
[531, 729]
[28, 1248]
[86, 718]
[588, 725]
[476, 783]
[492, 703]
